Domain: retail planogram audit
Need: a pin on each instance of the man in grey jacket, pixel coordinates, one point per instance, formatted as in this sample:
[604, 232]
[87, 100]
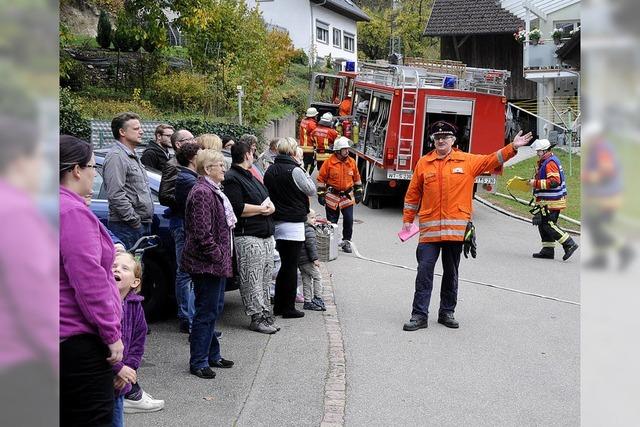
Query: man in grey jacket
[125, 180]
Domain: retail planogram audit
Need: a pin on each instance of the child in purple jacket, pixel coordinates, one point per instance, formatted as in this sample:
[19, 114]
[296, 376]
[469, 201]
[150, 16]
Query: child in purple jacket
[128, 272]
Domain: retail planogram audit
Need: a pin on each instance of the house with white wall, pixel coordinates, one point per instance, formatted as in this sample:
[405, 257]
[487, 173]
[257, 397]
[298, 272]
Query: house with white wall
[545, 62]
[319, 27]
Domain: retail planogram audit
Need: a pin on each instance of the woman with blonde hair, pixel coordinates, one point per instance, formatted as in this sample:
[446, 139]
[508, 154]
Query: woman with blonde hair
[289, 188]
[210, 141]
[208, 225]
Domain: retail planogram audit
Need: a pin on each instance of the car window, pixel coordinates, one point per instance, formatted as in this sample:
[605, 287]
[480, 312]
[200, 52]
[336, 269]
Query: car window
[98, 185]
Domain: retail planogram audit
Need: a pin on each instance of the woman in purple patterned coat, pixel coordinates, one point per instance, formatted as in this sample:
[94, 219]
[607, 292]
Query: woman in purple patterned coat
[209, 221]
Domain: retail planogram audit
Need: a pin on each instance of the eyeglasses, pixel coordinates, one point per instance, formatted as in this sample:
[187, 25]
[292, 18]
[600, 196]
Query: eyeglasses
[168, 135]
[217, 165]
[94, 166]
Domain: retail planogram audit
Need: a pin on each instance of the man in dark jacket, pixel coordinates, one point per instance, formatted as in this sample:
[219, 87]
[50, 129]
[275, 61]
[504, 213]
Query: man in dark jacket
[156, 154]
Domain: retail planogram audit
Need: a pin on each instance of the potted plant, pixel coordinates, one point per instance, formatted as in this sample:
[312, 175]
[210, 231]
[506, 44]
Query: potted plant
[534, 36]
[520, 35]
[557, 35]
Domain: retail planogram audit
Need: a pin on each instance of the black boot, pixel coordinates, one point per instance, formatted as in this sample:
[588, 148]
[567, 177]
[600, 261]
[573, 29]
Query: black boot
[546, 253]
[569, 248]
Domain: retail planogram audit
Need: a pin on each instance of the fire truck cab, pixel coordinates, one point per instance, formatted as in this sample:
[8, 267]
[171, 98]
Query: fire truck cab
[393, 106]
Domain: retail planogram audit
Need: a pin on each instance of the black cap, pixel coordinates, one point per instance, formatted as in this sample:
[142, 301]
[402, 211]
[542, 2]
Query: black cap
[442, 128]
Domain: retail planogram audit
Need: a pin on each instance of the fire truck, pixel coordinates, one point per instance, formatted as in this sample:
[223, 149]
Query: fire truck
[393, 106]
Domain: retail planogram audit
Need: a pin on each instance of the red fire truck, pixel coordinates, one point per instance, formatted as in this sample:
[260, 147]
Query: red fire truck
[394, 105]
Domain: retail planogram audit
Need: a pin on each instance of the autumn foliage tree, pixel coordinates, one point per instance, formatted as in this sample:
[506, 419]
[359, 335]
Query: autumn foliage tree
[229, 40]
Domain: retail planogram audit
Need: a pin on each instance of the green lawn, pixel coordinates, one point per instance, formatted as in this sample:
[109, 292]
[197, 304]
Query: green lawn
[525, 169]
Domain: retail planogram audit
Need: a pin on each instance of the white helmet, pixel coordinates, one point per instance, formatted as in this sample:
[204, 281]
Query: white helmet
[341, 142]
[541, 144]
[326, 119]
[312, 112]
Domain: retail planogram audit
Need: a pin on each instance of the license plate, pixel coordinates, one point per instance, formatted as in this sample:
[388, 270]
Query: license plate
[486, 180]
[399, 175]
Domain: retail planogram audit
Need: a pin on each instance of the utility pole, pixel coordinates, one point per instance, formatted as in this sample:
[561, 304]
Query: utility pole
[240, 95]
[394, 42]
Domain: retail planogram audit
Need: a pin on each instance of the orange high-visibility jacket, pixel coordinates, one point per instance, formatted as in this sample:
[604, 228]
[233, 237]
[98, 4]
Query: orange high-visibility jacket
[341, 175]
[441, 192]
[307, 126]
[345, 107]
[323, 138]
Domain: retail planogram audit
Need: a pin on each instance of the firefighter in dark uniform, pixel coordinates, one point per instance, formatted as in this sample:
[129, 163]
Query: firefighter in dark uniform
[550, 192]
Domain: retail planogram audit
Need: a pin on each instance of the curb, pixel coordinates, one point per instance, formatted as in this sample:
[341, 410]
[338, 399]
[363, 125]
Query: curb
[335, 382]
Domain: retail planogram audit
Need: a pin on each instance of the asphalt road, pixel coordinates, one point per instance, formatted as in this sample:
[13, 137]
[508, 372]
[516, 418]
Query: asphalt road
[514, 361]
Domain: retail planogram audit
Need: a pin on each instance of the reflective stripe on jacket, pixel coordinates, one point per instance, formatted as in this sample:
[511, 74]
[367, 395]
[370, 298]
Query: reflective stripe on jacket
[307, 126]
[441, 191]
[323, 138]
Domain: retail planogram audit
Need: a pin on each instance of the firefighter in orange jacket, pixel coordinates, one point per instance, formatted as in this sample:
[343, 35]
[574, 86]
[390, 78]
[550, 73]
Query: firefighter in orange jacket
[440, 193]
[307, 126]
[345, 106]
[339, 188]
[550, 191]
[323, 137]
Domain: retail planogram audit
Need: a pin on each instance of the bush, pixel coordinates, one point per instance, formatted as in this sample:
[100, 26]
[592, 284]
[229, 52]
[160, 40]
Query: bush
[128, 36]
[198, 125]
[300, 57]
[104, 30]
[183, 91]
[71, 120]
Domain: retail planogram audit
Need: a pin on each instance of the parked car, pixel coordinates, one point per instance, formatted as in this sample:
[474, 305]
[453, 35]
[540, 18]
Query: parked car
[159, 263]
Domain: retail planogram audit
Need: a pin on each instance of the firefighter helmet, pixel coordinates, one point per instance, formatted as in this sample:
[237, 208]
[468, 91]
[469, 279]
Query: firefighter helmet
[442, 128]
[341, 142]
[312, 112]
[326, 119]
[541, 144]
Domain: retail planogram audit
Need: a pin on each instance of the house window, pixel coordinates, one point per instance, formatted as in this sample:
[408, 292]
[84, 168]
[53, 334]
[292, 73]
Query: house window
[337, 37]
[566, 27]
[349, 42]
[322, 32]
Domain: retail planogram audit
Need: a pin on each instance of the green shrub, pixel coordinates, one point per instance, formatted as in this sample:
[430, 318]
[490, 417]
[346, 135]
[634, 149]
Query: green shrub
[104, 30]
[183, 91]
[300, 57]
[128, 35]
[198, 125]
[106, 109]
[73, 75]
[72, 121]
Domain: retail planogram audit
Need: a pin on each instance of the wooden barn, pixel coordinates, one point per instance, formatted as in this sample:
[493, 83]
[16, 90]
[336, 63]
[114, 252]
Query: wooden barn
[480, 34]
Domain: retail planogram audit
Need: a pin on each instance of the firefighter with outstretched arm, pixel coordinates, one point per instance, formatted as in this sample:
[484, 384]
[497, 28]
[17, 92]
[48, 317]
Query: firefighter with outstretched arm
[323, 137]
[307, 126]
[440, 194]
[339, 188]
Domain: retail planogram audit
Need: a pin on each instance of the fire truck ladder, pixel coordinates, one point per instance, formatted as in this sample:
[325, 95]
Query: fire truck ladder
[408, 117]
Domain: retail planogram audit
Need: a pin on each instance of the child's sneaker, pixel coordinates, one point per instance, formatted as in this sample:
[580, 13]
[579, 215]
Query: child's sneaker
[310, 305]
[146, 404]
[319, 302]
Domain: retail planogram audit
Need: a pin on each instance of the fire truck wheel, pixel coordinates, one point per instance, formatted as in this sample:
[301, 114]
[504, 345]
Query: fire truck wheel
[368, 199]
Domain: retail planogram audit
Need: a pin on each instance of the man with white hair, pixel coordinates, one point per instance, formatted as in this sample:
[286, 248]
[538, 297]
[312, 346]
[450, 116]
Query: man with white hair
[550, 191]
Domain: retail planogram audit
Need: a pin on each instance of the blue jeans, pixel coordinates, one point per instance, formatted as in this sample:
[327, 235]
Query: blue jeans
[427, 255]
[184, 286]
[128, 234]
[205, 347]
[347, 220]
[118, 412]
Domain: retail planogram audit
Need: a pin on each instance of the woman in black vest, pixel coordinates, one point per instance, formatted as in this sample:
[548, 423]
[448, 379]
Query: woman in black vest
[290, 188]
[253, 236]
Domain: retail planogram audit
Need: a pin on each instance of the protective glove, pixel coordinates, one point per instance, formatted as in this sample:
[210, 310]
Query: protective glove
[321, 193]
[539, 214]
[470, 240]
[357, 193]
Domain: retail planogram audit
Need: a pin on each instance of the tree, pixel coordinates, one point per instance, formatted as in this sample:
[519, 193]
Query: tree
[407, 22]
[104, 30]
